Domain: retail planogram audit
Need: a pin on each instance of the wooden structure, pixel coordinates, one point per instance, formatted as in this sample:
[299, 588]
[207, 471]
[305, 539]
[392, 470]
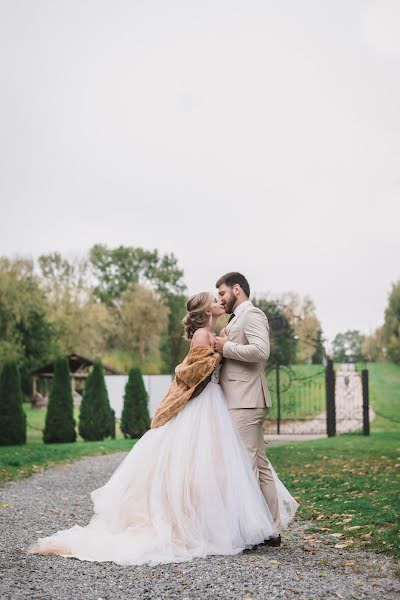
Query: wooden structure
[79, 367]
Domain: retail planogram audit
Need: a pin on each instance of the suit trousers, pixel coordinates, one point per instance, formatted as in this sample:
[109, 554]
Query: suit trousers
[249, 424]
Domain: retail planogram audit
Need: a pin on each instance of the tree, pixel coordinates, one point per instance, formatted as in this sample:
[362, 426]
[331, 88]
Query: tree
[60, 422]
[282, 335]
[81, 326]
[301, 314]
[62, 278]
[135, 419]
[373, 346]
[116, 269]
[95, 417]
[13, 418]
[81, 323]
[319, 350]
[25, 331]
[392, 324]
[174, 346]
[347, 347]
[140, 321]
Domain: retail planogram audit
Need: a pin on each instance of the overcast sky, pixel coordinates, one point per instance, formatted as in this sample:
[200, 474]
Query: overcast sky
[259, 136]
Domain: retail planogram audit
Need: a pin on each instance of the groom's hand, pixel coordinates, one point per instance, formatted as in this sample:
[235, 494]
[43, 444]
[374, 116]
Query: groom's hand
[220, 341]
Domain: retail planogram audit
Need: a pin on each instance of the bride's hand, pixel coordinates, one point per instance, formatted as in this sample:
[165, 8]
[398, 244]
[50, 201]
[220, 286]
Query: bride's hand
[220, 341]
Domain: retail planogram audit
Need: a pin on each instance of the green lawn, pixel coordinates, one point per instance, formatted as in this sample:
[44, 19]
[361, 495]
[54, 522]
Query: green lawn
[348, 485]
[34, 456]
[23, 461]
[305, 397]
[384, 383]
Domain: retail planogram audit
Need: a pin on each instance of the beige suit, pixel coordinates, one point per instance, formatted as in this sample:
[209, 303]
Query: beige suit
[246, 391]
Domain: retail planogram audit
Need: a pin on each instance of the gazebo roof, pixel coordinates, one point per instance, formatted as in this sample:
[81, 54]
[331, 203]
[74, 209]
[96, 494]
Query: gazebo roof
[76, 363]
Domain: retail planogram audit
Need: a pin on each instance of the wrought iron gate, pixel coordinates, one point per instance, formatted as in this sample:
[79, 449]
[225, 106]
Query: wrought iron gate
[322, 402]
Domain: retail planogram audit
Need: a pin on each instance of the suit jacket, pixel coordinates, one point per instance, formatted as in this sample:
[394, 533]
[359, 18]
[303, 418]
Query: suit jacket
[246, 353]
[190, 376]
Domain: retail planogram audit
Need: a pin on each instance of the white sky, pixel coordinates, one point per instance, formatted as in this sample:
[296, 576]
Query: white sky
[259, 136]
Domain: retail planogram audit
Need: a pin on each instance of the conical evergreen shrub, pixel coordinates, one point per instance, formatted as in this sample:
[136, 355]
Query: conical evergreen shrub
[135, 418]
[60, 423]
[95, 417]
[12, 416]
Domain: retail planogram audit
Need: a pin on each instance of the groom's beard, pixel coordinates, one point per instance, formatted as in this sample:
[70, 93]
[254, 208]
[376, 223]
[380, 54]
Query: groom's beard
[229, 305]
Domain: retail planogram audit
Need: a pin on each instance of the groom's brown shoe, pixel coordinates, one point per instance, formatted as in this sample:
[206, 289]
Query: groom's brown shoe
[274, 542]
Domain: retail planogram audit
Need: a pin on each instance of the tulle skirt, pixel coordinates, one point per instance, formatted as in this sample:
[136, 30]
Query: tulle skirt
[185, 490]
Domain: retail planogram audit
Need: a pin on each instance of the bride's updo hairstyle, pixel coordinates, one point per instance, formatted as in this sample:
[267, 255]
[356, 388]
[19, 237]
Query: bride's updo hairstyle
[196, 317]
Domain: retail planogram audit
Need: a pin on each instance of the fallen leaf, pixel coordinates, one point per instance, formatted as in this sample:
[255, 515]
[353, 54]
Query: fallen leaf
[310, 548]
[337, 535]
[344, 545]
[274, 562]
[349, 563]
[354, 527]
[5, 505]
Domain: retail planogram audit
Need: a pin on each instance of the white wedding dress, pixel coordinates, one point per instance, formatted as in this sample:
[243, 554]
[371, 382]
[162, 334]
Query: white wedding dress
[185, 490]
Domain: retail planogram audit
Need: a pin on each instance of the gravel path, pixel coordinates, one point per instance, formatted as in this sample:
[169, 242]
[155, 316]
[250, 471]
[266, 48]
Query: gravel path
[302, 568]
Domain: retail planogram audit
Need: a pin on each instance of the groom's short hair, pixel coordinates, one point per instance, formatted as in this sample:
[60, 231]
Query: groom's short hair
[233, 278]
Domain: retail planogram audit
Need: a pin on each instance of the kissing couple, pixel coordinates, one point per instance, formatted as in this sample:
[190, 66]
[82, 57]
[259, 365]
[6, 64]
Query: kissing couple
[198, 483]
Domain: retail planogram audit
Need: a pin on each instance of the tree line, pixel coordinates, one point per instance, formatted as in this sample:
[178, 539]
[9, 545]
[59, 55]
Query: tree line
[381, 344]
[123, 305]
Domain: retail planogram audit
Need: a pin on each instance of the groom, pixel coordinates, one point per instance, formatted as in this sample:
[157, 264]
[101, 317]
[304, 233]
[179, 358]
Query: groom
[244, 344]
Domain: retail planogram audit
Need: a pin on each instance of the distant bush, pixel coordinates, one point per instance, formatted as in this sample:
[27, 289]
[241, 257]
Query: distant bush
[13, 419]
[60, 422]
[135, 419]
[96, 420]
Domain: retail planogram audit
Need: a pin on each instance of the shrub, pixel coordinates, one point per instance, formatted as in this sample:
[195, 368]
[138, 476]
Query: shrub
[13, 419]
[135, 419]
[60, 423]
[95, 417]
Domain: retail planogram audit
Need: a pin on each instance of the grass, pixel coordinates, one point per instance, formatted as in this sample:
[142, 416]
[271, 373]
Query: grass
[305, 397]
[34, 456]
[23, 461]
[384, 384]
[348, 485]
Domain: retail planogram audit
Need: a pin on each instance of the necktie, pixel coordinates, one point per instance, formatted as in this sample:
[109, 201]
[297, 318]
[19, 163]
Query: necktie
[231, 317]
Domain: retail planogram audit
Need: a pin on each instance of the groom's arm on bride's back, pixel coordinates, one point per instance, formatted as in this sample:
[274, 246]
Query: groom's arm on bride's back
[256, 330]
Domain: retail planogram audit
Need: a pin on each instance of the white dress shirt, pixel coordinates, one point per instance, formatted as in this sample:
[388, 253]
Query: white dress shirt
[241, 307]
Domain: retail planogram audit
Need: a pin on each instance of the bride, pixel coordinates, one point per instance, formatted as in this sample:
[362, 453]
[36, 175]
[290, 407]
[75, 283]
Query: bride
[187, 488]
